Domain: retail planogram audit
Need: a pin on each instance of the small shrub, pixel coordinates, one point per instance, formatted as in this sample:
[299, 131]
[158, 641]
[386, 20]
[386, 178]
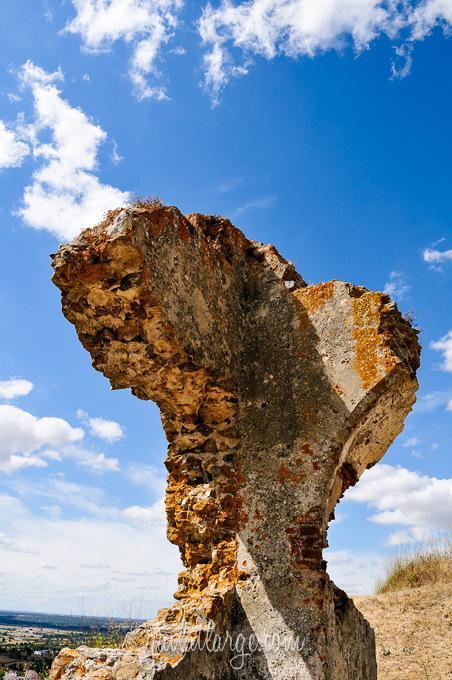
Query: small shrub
[112, 637]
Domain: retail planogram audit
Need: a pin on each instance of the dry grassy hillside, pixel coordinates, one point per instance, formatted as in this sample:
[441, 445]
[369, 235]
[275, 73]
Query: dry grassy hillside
[413, 629]
[412, 617]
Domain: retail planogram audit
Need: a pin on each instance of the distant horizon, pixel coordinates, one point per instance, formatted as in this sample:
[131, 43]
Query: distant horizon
[92, 617]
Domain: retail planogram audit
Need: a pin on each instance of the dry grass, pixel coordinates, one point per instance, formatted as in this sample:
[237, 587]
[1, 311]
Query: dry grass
[412, 631]
[420, 566]
[146, 202]
[411, 613]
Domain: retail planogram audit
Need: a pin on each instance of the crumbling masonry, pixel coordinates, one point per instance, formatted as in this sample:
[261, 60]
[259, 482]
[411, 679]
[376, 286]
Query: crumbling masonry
[275, 397]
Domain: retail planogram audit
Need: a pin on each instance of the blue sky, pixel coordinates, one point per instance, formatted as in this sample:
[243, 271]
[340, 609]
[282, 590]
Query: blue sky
[322, 130]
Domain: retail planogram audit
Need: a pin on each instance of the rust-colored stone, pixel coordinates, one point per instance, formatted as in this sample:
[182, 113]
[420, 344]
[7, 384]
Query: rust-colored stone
[275, 397]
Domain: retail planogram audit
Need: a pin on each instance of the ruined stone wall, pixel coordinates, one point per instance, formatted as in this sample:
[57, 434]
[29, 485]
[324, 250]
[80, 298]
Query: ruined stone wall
[275, 397]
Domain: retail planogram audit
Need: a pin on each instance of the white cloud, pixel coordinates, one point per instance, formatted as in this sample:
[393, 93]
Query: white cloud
[96, 462]
[444, 345]
[28, 441]
[432, 400]
[153, 514]
[402, 61]
[401, 537]
[65, 195]
[13, 151]
[409, 443]
[7, 544]
[9, 505]
[420, 503]
[109, 430]
[256, 204]
[136, 565]
[290, 27]
[429, 14]
[148, 476]
[397, 286]
[295, 28]
[86, 498]
[24, 434]
[147, 25]
[434, 256]
[15, 387]
[250, 28]
[14, 463]
[115, 155]
[354, 572]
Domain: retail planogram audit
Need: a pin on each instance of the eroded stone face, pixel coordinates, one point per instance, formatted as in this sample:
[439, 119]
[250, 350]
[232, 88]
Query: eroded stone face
[275, 397]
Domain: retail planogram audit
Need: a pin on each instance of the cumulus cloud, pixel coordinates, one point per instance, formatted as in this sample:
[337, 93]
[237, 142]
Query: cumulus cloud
[13, 463]
[109, 430]
[146, 25]
[28, 441]
[397, 286]
[417, 503]
[444, 345]
[153, 514]
[295, 28]
[23, 432]
[15, 387]
[65, 195]
[12, 149]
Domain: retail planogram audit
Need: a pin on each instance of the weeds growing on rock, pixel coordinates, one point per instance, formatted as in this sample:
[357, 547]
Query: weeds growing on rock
[146, 202]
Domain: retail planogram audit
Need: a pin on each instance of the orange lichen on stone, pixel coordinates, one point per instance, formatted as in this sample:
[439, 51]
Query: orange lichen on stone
[373, 356]
[314, 297]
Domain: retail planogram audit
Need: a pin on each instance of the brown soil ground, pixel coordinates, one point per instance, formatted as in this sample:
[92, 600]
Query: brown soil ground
[413, 629]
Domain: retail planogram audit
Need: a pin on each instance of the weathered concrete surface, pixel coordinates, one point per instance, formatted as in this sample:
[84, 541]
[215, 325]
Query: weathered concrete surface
[275, 397]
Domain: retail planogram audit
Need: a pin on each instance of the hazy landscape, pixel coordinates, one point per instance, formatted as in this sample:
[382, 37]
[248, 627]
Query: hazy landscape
[31, 640]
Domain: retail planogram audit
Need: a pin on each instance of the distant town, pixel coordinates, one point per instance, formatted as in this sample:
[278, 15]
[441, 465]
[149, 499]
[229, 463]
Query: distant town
[30, 641]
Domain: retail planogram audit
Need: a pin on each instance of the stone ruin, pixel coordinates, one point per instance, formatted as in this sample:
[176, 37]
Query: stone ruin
[275, 396]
